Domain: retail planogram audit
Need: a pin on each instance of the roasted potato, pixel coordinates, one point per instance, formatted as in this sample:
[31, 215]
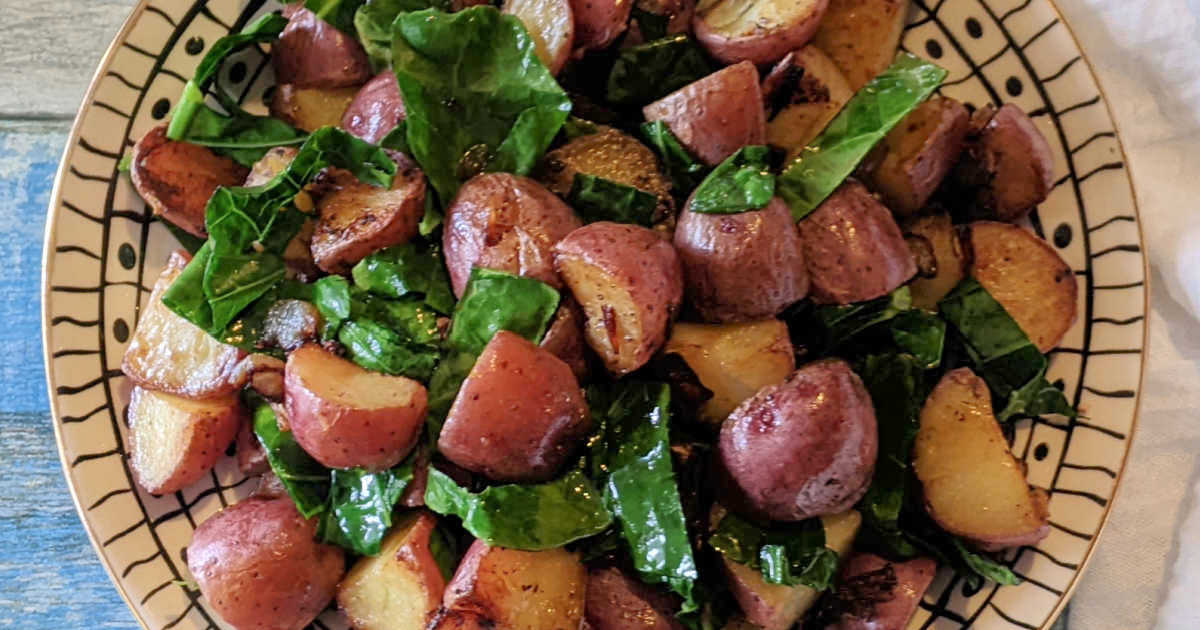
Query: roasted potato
[599, 23]
[613, 155]
[564, 338]
[176, 178]
[251, 458]
[893, 612]
[290, 324]
[973, 485]
[298, 254]
[758, 31]
[357, 218]
[803, 93]
[619, 601]
[460, 620]
[776, 606]
[311, 53]
[271, 164]
[741, 267]
[345, 416]
[311, 108]
[630, 284]
[717, 115]
[519, 415]
[949, 258]
[854, 249]
[519, 590]
[1008, 168]
[376, 109]
[805, 447]
[917, 154]
[259, 566]
[678, 13]
[174, 441]
[862, 36]
[507, 223]
[402, 587]
[1027, 277]
[170, 354]
[551, 24]
[733, 361]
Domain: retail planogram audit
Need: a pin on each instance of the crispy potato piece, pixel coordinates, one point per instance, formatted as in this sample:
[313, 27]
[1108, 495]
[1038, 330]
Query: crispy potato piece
[1008, 167]
[177, 178]
[345, 416]
[759, 31]
[1027, 277]
[950, 260]
[778, 607]
[170, 354]
[551, 24]
[564, 337]
[613, 155]
[862, 36]
[717, 115]
[402, 587]
[803, 92]
[599, 23]
[619, 601]
[519, 590]
[270, 165]
[733, 361]
[912, 579]
[917, 154]
[312, 53]
[357, 218]
[311, 108]
[973, 485]
[630, 284]
[376, 109]
[174, 441]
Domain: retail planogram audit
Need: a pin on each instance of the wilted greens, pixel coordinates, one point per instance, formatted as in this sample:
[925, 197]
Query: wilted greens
[742, 182]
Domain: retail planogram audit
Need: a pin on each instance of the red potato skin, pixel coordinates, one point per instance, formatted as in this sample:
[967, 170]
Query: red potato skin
[177, 178]
[854, 249]
[618, 601]
[376, 110]
[260, 568]
[717, 115]
[598, 23]
[519, 415]
[1013, 158]
[564, 338]
[912, 579]
[311, 53]
[506, 223]
[803, 448]
[742, 267]
[759, 48]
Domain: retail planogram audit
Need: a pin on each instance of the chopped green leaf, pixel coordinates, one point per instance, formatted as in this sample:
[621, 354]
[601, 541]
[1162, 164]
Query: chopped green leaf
[331, 295]
[373, 21]
[403, 270]
[339, 13]
[305, 480]
[986, 567]
[649, 71]
[377, 347]
[126, 163]
[832, 327]
[495, 301]
[742, 182]
[598, 199]
[187, 240]
[246, 330]
[360, 507]
[789, 554]
[684, 169]
[444, 386]
[921, 334]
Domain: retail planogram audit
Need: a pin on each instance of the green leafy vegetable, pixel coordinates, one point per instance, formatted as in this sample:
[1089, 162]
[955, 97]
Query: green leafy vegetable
[246, 330]
[921, 334]
[126, 163]
[835, 326]
[529, 517]
[305, 480]
[331, 296]
[649, 71]
[495, 301]
[187, 240]
[444, 386]
[742, 182]
[790, 554]
[576, 127]
[865, 119]
[339, 13]
[379, 348]
[360, 507]
[1036, 398]
[598, 199]
[403, 270]
[373, 21]
[477, 97]
[985, 567]
[652, 25]
[684, 169]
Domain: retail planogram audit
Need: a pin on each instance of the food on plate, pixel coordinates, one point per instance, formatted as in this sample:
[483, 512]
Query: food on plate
[291, 323]
[612, 155]
[460, 620]
[551, 24]
[507, 588]
[174, 441]
[310, 109]
[599, 23]
[861, 36]
[1008, 167]
[619, 601]
[269, 165]
[717, 115]
[312, 53]
[402, 587]
[949, 259]
[376, 109]
[803, 92]
[564, 338]
[917, 154]
[177, 178]
[759, 31]
[900, 588]
[251, 458]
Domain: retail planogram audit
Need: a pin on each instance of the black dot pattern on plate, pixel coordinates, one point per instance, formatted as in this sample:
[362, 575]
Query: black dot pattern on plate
[237, 72]
[126, 256]
[162, 107]
[1041, 451]
[1013, 86]
[121, 330]
[194, 46]
[1062, 235]
[974, 28]
[933, 48]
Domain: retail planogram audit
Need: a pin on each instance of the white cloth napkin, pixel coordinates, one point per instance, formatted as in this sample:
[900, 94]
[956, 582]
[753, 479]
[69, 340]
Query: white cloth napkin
[1146, 572]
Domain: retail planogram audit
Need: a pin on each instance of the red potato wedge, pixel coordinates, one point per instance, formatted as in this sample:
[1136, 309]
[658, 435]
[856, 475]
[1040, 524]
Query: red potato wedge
[619, 601]
[630, 284]
[613, 155]
[171, 355]
[914, 158]
[1027, 277]
[311, 53]
[507, 223]
[564, 338]
[519, 415]
[175, 441]
[402, 587]
[912, 579]
[973, 485]
[949, 259]
[311, 108]
[758, 31]
[854, 249]
[1008, 164]
[177, 178]
[551, 24]
[357, 218]
[803, 448]
[259, 566]
[519, 590]
[717, 115]
[803, 92]
[345, 416]
[376, 109]
[862, 36]
[599, 23]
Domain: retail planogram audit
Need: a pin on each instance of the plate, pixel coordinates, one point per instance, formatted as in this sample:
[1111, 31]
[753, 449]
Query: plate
[103, 251]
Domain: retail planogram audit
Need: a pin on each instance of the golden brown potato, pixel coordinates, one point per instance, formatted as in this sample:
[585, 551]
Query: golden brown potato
[376, 109]
[630, 284]
[1027, 277]
[1008, 168]
[758, 31]
[259, 566]
[598, 23]
[519, 590]
[973, 485]
[174, 441]
[862, 36]
[357, 218]
[177, 178]
[776, 606]
[311, 53]
[898, 605]
[949, 257]
[803, 92]
[564, 337]
[733, 361]
[345, 416]
[311, 108]
[717, 115]
[170, 354]
[551, 24]
[402, 587]
[917, 154]
[617, 600]
[613, 155]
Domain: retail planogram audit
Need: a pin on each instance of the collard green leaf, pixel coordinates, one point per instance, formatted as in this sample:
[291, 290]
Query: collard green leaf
[789, 554]
[685, 170]
[597, 199]
[652, 25]
[866, 119]
[985, 567]
[361, 505]
[477, 97]
[495, 301]
[244, 137]
[246, 330]
[373, 21]
[379, 348]
[647, 72]
[339, 13]
[834, 326]
[306, 481]
[1036, 398]
[742, 182]
[187, 240]
[410, 317]
[920, 334]
[403, 270]
[443, 388]
[331, 295]
[529, 517]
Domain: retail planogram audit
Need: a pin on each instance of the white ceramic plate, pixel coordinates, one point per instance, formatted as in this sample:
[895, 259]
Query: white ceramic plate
[103, 251]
